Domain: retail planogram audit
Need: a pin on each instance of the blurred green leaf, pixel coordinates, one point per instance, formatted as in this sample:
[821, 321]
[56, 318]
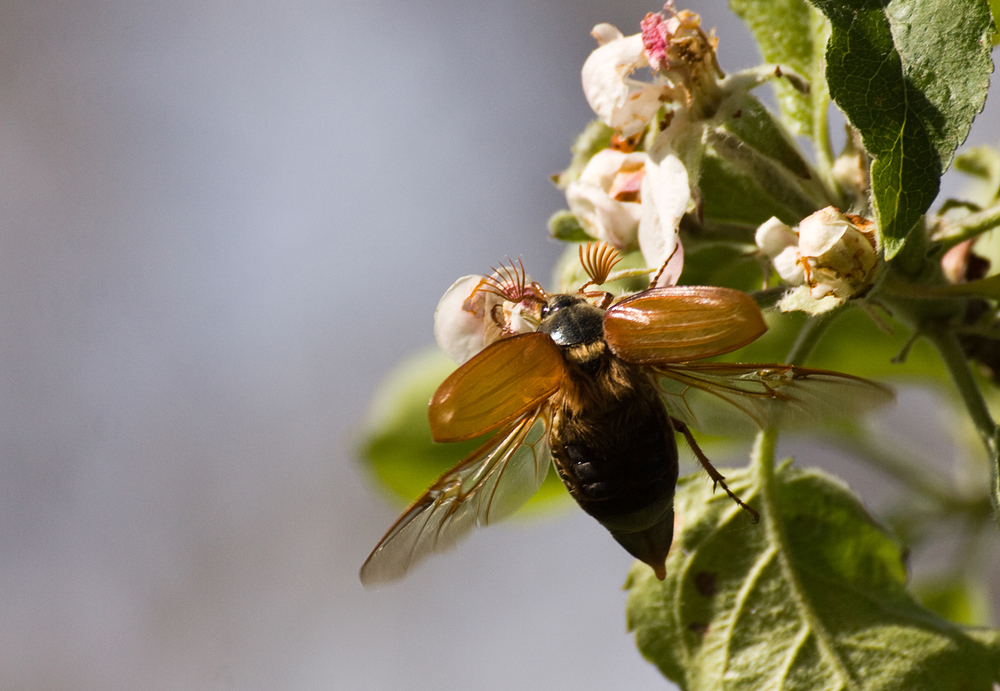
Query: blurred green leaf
[813, 597]
[980, 161]
[791, 33]
[910, 75]
[995, 9]
[731, 195]
[721, 265]
[956, 599]
[983, 163]
[565, 226]
[396, 444]
[756, 128]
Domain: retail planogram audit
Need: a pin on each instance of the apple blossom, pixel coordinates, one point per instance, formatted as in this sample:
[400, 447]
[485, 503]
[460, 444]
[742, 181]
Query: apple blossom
[621, 102]
[463, 319]
[680, 55]
[606, 197]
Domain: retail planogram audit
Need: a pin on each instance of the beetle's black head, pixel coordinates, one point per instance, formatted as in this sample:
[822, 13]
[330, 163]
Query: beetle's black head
[571, 321]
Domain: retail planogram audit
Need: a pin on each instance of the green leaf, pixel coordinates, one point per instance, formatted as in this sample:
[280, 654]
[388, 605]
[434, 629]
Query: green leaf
[396, 445]
[721, 265]
[983, 163]
[565, 226]
[730, 195]
[792, 33]
[956, 599]
[750, 169]
[995, 9]
[812, 597]
[910, 75]
[756, 128]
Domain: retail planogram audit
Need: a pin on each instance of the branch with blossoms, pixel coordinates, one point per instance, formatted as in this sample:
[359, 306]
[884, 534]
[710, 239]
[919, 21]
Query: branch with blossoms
[694, 182]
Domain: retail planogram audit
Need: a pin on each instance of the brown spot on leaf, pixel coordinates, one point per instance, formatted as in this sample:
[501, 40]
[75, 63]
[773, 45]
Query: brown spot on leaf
[704, 583]
[698, 627]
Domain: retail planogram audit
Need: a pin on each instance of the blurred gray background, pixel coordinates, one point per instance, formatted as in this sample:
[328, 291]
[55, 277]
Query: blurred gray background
[222, 223]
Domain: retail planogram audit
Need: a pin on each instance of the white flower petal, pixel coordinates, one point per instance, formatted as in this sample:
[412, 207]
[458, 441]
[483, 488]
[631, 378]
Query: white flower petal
[665, 198]
[622, 103]
[459, 320]
[773, 236]
[520, 318]
[789, 266]
[821, 231]
[605, 33]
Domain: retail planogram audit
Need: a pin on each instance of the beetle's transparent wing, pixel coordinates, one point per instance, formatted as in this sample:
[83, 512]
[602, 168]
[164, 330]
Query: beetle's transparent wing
[704, 395]
[489, 485]
[681, 323]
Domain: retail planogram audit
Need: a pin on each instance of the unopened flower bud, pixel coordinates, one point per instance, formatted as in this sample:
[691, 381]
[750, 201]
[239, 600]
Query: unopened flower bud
[780, 244]
[838, 254]
[773, 237]
[833, 255]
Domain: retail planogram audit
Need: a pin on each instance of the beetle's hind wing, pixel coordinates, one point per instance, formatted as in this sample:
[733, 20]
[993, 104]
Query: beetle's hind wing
[489, 485]
[704, 395]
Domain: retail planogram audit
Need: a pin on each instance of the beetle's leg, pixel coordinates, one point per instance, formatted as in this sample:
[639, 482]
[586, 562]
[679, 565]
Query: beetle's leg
[718, 479]
[606, 298]
[663, 266]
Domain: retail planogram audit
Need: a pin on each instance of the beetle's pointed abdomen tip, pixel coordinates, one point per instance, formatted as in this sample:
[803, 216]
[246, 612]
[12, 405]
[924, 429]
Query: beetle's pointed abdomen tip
[650, 544]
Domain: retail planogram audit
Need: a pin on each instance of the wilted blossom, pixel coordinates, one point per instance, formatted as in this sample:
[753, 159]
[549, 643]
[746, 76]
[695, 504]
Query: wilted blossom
[606, 197]
[463, 319]
[673, 45]
[834, 255]
[621, 102]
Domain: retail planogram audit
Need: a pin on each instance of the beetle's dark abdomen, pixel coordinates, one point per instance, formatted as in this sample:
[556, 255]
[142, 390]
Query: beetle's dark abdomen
[618, 462]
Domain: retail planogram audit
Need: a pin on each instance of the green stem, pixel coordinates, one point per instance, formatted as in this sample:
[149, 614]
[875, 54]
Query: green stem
[809, 336]
[968, 227]
[958, 366]
[763, 454]
[762, 460]
[762, 464]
